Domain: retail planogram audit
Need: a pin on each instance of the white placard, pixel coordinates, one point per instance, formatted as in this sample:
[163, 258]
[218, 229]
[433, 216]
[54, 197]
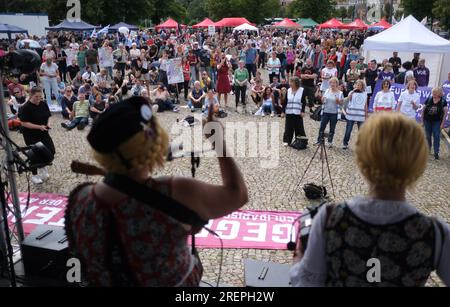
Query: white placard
[211, 30]
[175, 71]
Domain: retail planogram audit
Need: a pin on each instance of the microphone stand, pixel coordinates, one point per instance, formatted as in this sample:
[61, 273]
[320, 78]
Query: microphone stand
[195, 163]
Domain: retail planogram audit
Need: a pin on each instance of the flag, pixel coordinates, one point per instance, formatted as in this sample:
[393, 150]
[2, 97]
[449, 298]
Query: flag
[403, 17]
[394, 21]
[94, 34]
[105, 30]
[424, 21]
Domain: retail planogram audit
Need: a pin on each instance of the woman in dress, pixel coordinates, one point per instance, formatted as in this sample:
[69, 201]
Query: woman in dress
[223, 79]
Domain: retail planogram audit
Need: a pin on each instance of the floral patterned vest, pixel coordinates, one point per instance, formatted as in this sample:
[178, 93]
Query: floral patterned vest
[405, 250]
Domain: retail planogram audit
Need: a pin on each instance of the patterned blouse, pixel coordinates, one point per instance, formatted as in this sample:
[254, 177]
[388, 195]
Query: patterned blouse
[128, 243]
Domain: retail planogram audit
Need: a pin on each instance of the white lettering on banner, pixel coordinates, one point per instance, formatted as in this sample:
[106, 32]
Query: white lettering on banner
[204, 233]
[260, 231]
[281, 233]
[233, 230]
[45, 217]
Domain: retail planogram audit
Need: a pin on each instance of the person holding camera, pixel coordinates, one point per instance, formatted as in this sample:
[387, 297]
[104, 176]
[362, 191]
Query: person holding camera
[35, 117]
[383, 228]
[126, 239]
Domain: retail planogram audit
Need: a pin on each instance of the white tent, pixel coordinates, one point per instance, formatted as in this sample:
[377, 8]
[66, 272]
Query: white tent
[246, 27]
[407, 37]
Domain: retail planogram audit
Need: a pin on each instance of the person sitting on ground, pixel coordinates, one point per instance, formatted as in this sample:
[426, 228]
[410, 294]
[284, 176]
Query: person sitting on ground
[80, 114]
[77, 83]
[211, 99]
[162, 98]
[89, 75]
[17, 100]
[98, 107]
[67, 101]
[137, 88]
[407, 244]
[102, 76]
[257, 92]
[196, 97]
[267, 105]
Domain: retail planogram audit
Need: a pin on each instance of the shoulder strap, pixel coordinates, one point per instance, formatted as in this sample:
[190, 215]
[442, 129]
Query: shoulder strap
[155, 199]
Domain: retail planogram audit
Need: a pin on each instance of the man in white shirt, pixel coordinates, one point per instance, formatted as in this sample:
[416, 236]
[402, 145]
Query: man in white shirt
[89, 75]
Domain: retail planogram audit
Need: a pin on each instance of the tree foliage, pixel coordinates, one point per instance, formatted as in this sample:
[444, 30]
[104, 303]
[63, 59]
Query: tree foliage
[419, 8]
[441, 11]
[320, 11]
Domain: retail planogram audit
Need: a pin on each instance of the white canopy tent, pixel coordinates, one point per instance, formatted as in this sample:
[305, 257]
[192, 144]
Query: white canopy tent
[246, 27]
[407, 37]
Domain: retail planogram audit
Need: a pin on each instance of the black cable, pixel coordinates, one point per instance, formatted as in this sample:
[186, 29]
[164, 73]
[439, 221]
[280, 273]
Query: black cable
[221, 253]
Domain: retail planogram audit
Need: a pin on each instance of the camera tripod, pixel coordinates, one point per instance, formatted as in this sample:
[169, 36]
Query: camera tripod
[321, 149]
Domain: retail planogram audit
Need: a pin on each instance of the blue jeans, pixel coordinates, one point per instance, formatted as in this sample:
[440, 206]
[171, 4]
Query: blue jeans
[348, 130]
[268, 108]
[198, 105]
[77, 122]
[328, 118]
[433, 129]
[50, 86]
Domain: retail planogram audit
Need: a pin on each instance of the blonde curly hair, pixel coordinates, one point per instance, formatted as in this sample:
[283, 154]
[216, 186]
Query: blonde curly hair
[391, 151]
[141, 150]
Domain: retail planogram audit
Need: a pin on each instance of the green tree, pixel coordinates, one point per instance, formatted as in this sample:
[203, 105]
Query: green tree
[318, 10]
[342, 12]
[419, 8]
[388, 11]
[441, 11]
[196, 11]
[253, 10]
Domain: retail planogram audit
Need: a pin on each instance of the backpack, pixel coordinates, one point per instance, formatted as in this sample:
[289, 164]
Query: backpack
[317, 114]
[205, 57]
[300, 143]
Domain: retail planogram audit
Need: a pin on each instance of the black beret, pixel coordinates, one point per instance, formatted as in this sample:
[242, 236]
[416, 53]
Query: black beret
[119, 123]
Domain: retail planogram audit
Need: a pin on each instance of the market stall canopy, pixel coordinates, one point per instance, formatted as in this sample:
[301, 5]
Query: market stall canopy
[232, 22]
[204, 24]
[72, 26]
[288, 24]
[358, 24]
[10, 29]
[246, 27]
[381, 25]
[307, 23]
[116, 27]
[169, 24]
[332, 24]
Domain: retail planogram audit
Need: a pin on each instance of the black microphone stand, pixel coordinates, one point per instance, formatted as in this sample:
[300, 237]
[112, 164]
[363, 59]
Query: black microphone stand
[195, 163]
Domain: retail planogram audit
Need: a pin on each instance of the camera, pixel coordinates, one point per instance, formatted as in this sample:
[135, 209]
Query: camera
[305, 224]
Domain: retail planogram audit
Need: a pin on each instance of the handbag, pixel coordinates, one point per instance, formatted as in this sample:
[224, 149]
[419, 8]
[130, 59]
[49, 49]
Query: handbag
[300, 143]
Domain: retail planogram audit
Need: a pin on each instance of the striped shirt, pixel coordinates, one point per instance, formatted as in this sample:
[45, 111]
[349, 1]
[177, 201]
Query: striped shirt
[356, 109]
[295, 102]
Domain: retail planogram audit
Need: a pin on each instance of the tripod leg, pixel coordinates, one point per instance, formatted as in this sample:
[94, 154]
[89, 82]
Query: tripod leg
[306, 170]
[329, 172]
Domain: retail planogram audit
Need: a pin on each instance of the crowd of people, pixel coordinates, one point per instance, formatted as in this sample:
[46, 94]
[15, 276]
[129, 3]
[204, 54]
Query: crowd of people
[106, 81]
[305, 69]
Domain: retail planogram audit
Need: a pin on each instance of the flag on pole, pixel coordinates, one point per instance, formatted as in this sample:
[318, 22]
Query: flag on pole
[94, 33]
[394, 21]
[403, 17]
[424, 21]
[105, 30]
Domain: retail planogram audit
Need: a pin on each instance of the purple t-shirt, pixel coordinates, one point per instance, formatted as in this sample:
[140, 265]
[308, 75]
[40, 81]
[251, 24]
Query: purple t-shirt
[386, 76]
[446, 84]
[422, 76]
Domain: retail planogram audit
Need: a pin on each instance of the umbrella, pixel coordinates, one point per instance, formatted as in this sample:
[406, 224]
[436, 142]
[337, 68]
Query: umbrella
[33, 44]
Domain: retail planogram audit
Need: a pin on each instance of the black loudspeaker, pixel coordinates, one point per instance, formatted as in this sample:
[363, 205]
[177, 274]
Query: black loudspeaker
[45, 253]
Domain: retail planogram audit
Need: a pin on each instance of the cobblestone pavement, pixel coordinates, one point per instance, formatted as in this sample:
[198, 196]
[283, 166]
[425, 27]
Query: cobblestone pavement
[269, 189]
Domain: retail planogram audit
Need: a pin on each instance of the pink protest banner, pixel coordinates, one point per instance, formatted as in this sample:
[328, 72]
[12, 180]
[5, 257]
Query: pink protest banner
[241, 229]
[250, 229]
[43, 209]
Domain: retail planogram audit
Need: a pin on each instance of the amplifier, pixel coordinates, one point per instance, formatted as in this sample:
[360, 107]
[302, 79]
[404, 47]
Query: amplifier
[45, 253]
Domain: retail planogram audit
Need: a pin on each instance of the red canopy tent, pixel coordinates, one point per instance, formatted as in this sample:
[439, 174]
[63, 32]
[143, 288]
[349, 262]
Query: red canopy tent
[358, 24]
[169, 24]
[287, 23]
[204, 24]
[381, 24]
[332, 24]
[232, 22]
